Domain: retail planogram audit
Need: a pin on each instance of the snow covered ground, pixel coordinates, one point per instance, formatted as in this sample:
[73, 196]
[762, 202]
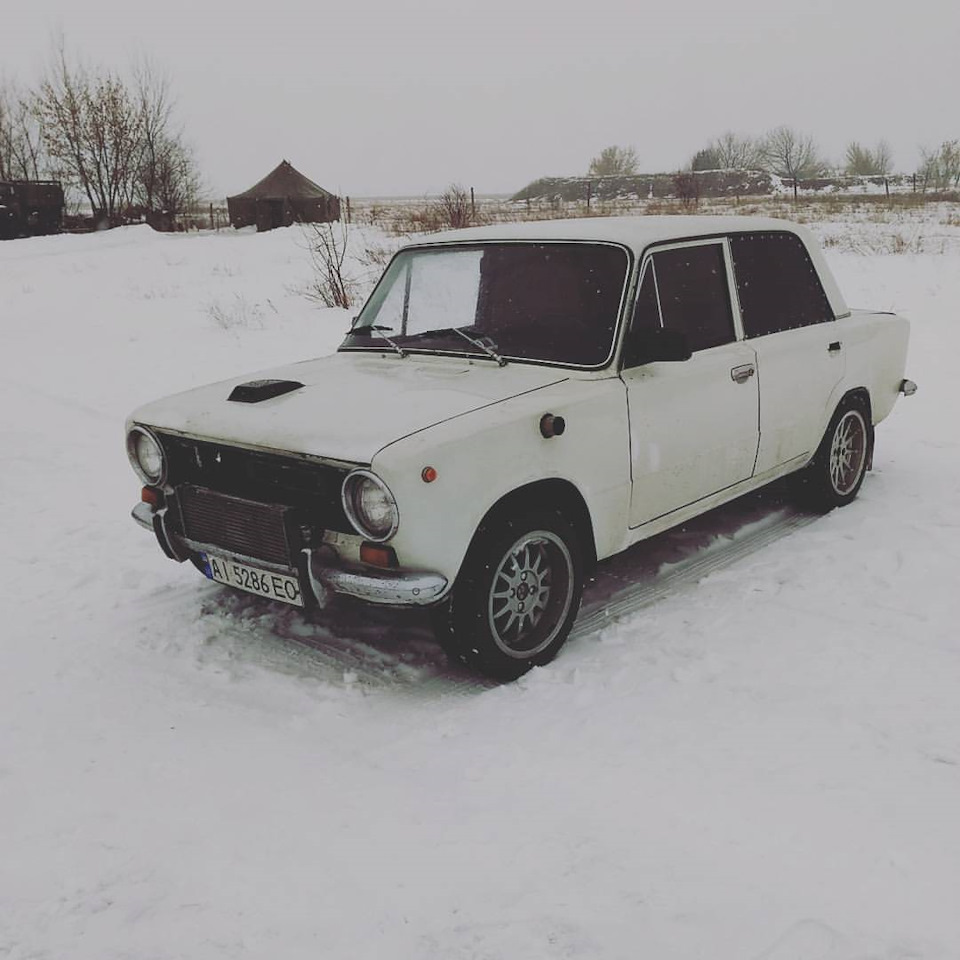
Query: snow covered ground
[763, 764]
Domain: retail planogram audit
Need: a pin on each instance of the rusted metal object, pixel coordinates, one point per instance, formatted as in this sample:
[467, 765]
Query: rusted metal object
[30, 208]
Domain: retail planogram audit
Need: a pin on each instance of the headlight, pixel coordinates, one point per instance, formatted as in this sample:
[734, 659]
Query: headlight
[146, 456]
[370, 506]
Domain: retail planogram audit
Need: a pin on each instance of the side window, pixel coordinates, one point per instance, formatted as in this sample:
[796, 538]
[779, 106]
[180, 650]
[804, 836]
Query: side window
[777, 283]
[694, 296]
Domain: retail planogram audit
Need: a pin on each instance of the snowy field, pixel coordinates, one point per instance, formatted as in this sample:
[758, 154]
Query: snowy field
[763, 764]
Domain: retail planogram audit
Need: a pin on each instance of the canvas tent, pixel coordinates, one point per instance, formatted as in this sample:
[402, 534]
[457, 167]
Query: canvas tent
[282, 197]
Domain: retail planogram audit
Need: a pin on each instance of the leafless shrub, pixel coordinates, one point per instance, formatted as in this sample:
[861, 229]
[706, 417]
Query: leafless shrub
[238, 314]
[378, 214]
[327, 244]
[374, 255]
[452, 207]
[687, 188]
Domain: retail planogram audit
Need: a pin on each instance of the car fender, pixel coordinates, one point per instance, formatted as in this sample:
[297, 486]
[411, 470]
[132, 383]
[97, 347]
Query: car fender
[481, 457]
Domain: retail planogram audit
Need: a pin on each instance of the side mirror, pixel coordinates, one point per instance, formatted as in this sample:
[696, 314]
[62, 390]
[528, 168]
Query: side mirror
[649, 346]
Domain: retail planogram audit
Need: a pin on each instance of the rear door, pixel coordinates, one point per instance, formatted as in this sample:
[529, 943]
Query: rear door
[693, 423]
[788, 321]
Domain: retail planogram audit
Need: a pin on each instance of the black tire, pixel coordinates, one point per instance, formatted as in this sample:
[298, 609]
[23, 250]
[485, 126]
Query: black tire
[835, 474]
[517, 595]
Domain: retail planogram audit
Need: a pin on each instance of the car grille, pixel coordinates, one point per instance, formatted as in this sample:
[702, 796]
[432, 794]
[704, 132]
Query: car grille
[268, 478]
[240, 526]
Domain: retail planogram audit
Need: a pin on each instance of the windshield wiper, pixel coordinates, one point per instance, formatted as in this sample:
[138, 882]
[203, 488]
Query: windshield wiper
[393, 343]
[488, 349]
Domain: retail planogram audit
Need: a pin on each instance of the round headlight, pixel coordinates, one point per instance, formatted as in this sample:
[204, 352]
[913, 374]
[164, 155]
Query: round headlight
[146, 456]
[370, 506]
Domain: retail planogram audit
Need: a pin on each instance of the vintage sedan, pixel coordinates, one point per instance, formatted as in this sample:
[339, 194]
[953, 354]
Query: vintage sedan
[512, 405]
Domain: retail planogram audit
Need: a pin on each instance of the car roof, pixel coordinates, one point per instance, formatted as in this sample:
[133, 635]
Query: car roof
[635, 232]
[639, 232]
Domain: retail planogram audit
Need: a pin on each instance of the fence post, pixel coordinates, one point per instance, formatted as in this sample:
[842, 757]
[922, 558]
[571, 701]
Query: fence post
[473, 206]
[589, 193]
[348, 209]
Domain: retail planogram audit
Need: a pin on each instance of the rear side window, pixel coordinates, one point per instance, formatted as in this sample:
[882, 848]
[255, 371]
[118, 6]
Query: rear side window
[777, 283]
[693, 293]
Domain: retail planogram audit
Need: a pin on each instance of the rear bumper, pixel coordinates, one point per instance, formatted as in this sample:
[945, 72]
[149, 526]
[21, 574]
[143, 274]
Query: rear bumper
[387, 587]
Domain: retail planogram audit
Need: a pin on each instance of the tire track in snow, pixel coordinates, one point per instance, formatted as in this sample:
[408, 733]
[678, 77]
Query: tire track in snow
[621, 587]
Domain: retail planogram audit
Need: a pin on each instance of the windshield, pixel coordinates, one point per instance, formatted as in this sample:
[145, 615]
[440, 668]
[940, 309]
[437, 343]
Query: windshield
[551, 302]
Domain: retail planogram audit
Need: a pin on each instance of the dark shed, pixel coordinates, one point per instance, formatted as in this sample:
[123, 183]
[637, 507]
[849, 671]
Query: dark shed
[282, 197]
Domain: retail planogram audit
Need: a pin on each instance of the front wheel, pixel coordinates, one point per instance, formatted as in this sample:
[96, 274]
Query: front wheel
[517, 596]
[836, 472]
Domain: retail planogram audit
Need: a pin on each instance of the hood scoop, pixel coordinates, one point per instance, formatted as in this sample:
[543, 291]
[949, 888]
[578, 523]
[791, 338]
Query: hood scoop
[253, 391]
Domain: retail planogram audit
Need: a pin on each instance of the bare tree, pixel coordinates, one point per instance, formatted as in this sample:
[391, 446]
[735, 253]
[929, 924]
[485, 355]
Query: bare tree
[113, 139]
[175, 178]
[883, 158]
[864, 162]
[729, 152]
[735, 152]
[21, 146]
[940, 167]
[153, 98]
[93, 129]
[167, 180]
[614, 162]
[792, 155]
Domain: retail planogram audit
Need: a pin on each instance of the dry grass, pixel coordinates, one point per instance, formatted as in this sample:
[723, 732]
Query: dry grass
[902, 223]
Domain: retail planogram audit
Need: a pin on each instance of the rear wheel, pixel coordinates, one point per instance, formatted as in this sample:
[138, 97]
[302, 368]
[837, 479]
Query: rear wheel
[517, 595]
[835, 474]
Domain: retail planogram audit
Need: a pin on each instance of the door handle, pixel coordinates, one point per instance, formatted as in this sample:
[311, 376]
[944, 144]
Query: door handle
[742, 373]
[834, 347]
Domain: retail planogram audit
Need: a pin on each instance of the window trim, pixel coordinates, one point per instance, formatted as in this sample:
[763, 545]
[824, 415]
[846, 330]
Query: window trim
[621, 321]
[647, 262]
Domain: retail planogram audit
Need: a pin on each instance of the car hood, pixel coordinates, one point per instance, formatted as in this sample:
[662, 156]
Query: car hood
[351, 404]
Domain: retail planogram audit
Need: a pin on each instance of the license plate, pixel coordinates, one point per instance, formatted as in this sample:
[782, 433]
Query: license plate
[264, 583]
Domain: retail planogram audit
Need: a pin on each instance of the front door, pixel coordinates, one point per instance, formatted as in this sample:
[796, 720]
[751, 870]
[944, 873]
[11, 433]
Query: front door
[694, 423]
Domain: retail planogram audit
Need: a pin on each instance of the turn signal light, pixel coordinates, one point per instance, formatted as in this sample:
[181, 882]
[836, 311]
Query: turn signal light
[151, 495]
[378, 555]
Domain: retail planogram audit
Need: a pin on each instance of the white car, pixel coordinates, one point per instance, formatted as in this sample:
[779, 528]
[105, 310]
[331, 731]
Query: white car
[512, 405]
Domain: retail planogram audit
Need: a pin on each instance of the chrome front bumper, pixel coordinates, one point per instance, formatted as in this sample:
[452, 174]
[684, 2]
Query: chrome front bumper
[143, 515]
[389, 587]
[392, 587]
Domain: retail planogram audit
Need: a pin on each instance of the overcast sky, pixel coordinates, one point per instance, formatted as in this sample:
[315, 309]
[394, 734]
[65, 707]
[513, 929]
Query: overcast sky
[402, 97]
